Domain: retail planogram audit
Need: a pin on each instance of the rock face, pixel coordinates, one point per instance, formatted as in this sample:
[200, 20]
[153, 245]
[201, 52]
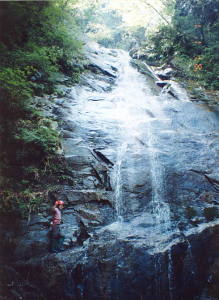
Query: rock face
[119, 269]
[141, 215]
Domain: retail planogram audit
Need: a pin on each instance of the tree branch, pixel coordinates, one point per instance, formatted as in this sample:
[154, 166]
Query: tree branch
[150, 5]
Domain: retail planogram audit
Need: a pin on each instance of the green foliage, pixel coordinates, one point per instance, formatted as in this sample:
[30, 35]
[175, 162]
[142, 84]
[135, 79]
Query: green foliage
[14, 92]
[114, 25]
[29, 202]
[192, 39]
[162, 43]
[20, 203]
[45, 139]
[42, 58]
[44, 43]
[14, 80]
[120, 37]
[50, 31]
[210, 61]
[66, 179]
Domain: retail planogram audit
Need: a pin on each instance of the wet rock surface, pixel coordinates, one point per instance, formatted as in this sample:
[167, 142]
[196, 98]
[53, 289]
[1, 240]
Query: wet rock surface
[141, 213]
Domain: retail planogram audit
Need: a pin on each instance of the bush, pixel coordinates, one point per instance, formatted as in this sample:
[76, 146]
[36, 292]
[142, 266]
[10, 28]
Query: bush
[44, 139]
[14, 92]
[185, 45]
[20, 203]
[43, 43]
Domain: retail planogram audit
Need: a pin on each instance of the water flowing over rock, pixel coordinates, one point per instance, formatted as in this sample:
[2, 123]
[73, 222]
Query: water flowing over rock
[141, 218]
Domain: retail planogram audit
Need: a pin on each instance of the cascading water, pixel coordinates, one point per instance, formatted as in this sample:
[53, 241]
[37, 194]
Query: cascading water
[118, 182]
[138, 111]
[150, 138]
[135, 111]
[160, 208]
[156, 157]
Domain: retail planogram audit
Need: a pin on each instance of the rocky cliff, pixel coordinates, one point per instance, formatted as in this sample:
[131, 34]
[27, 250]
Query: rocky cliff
[141, 210]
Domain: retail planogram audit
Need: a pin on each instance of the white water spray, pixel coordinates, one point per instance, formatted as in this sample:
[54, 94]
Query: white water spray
[160, 208]
[118, 182]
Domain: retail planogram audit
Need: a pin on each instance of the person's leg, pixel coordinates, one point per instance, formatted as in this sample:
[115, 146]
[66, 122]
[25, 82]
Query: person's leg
[54, 245]
[61, 238]
[60, 243]
[54, 239]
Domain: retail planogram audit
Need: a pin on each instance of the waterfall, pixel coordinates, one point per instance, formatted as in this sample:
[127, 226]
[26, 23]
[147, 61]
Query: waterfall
[123, 243]
[118, 182]
[160, 208]
[135, 110]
